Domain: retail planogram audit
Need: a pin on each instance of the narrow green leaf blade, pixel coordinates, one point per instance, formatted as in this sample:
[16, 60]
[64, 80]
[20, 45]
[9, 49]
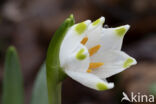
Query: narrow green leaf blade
[54, 71]
[40, 94]
[152, 89]
[12, 82]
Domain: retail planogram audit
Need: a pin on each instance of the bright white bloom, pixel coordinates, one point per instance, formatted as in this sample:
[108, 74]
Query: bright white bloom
[90, 53]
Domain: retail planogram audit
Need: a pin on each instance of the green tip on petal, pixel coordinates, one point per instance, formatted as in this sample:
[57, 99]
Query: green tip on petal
[80, 55]
[101, 86]
[121, 31]
[80, 28]
[128, 63]
[96, 22]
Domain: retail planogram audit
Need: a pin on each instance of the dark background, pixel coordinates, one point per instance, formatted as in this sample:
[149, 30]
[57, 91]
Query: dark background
[30, 24]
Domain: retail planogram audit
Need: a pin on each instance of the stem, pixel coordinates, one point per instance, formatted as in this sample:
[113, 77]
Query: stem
[59, 92]
[55, 96]
[54, 86]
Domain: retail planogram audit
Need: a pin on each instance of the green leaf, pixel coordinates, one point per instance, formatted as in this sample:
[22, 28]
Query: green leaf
[40, 94]
[152, 89]
[54, 72]
[13, 81]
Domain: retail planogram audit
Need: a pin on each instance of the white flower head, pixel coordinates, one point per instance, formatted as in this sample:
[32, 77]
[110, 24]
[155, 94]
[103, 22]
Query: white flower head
[90, 53]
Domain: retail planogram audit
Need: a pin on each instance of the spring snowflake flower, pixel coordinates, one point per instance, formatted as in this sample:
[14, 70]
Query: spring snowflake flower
[90, 53]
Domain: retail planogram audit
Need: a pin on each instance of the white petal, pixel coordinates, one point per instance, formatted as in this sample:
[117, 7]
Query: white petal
[78, 60]
[90, 80]
[72, 40]
[94, 32]
[96, 24]
[114, 62]
[108, 38]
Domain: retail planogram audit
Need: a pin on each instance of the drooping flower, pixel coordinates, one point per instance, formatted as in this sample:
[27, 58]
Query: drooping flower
[90, 53]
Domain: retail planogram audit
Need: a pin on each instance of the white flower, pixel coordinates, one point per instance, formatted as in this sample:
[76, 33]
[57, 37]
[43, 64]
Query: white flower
[90, 53]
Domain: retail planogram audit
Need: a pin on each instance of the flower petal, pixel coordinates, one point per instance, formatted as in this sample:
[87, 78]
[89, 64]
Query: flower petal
[94, 32]
[72, 40]
[78, 60]
[90, 80]
[113, 37]
[97, 23]
[114, 62]
[108, 38]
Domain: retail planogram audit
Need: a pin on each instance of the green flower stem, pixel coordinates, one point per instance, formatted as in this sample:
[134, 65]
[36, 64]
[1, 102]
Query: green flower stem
[55, 73]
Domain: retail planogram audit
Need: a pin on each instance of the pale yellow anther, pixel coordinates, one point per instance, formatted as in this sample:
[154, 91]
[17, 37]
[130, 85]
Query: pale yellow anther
[95, 65]
[84, 40]
[89, 70]
[94, 50]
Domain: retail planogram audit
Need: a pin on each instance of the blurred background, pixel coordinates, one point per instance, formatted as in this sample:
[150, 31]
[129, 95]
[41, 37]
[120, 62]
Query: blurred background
[30, 24]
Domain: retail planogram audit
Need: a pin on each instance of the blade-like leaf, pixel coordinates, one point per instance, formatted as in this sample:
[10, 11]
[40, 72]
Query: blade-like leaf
[152, 89]
[54, 71]
[40, 94]
[12, 82]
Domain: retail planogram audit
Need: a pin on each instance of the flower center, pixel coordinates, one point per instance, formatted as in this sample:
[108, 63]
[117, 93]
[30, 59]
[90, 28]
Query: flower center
[92, 51]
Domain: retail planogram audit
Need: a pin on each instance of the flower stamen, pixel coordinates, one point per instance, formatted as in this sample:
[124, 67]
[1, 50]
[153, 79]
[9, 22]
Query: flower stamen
[95, 65]
[89, 70]
[93, 50]
[84, 40]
